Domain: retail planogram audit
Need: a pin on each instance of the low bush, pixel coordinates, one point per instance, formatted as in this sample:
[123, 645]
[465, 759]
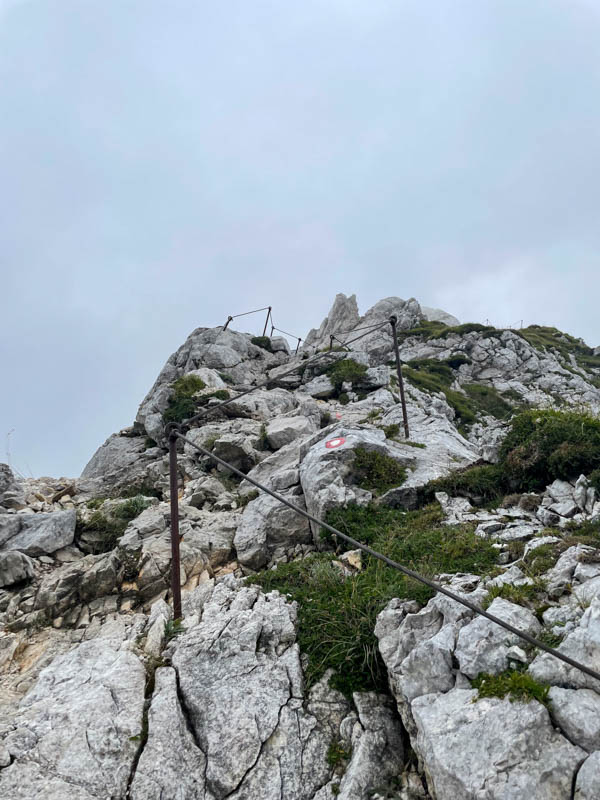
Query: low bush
[263, 342]
[376, 472]
[345, 371]
[181, 403]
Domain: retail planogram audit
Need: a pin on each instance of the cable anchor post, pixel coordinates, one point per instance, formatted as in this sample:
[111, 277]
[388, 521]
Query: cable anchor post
[267, 321]
[229, 319]
[393, 323]
[174, 498]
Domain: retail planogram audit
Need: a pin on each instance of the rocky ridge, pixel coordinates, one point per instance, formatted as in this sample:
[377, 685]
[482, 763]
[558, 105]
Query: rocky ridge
[105, 695]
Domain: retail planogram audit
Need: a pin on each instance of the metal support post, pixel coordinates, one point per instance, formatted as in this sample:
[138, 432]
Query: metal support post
[175, 571]
[297, 347]
[393, 322]
[267, 321]
[229, 319]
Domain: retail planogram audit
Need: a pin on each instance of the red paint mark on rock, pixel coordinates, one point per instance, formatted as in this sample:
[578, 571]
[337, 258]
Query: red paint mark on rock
[333, 443]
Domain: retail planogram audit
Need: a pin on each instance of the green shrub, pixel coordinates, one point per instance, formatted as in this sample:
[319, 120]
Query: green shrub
[594, 478]
[131, 508]
[336, 616]
[544, 445]
[391, 431]
[457, 360]
[468, 327]
[480, 483]
[545, 338]
[219, 394]
[144, 488]
[514, 683]
[344, 399]
[181, 403]
[226, 377]
[262, 442]
[95, 503]
[346, 370]
[262, 341]
[376, 472]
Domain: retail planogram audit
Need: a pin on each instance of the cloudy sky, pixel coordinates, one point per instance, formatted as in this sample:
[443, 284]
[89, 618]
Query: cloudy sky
[164, 164]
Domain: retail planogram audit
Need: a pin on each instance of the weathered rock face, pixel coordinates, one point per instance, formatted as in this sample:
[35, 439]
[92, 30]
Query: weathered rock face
[91, 638]
[72, 737]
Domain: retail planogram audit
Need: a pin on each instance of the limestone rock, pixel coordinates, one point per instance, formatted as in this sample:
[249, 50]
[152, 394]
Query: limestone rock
[38, 534]
[577, 713]
[587, 786]
[269, 531]
[483, 645]
[72, 736]
[284, 430]
[491, 748]
[14, 567]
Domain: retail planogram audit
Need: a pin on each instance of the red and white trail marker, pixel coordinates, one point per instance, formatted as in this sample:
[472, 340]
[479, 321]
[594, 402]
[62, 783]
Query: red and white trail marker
[333, 443]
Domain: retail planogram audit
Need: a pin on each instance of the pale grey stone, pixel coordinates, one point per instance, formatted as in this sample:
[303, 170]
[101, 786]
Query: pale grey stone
[269, 530]
[483, 645]
[577, 713]
[437, 315]
[14, 567]
[587, 786]
[74, 728]
[172, 764]
[284, 430]
[320, 387]
[493, 749]
[38, 534]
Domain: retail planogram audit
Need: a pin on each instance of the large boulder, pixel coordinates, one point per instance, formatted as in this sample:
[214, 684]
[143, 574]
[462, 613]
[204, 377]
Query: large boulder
[326, 471]
[270, 531]
[11, 491]
[493, 749]
[38, 534]
[14, 567]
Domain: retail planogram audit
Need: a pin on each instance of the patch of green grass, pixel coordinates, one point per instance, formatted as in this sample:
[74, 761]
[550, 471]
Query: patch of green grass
[181, 403]
[263, 342]
[419, 445]
[512, 394]
[437, 376]
[480, 484]
[594, 478]
[344, 399]
[337, 615]
[95, 503]
[488, 400]
[219, 394]
[550, 639]
[338, 754]
[519, 686]
[144, 488]
[391, 431]
[131, 508]
[456, 360]
[520, 595]
[107, 527]
[425, 330]
[376, 472]
[226, 377]
[374, 413]
[173, 628]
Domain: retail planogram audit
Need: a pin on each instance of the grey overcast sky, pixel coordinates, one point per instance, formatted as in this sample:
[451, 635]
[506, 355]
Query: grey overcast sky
[164, 164]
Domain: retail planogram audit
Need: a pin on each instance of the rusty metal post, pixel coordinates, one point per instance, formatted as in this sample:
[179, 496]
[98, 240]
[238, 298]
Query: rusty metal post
[331, 342]
[175, 569]
[229, 319]
[393, 322]
[297, 347]
[267, 322]
[272, 329]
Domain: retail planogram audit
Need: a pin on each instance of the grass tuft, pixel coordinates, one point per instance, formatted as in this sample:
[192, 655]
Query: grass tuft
[519, 686]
